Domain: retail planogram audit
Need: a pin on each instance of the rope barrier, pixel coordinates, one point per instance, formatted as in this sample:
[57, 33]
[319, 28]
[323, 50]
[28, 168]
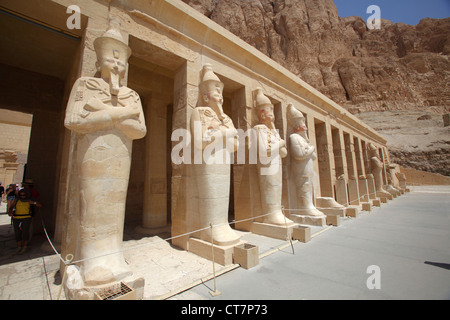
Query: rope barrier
[70, 262]
[69, 258]
[67, 262]
[51, 244]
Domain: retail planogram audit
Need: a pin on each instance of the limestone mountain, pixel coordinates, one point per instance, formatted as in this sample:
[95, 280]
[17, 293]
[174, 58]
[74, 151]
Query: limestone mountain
[396, 68]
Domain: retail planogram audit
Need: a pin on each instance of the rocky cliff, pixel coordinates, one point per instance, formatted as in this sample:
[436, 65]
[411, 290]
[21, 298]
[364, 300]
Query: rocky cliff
[398, 68]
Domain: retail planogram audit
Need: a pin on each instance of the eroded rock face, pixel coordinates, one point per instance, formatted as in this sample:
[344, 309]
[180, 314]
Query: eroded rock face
[399, 67]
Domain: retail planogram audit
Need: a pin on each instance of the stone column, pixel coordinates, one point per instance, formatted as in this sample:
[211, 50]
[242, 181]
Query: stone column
[154, 215]
[242, 173]
[353, 191]
[325, 158]
[371, 186]
[185, 99]
[341, 191]
[384, 154]
[362, 183]
[339, 153]
[363, 188]
[310, 123]
[340, 161]
[352, 171]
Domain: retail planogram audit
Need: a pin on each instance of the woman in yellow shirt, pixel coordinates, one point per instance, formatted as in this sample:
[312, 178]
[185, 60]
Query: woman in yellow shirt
[22, 212]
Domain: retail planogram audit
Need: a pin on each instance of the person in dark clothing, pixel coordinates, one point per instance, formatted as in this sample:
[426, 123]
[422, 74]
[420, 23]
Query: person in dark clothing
[2, 191]
[11, 195]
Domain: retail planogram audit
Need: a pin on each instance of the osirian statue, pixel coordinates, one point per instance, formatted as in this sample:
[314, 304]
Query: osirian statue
[376, 166]
[105, 118]
[271, 149]
[303, 155]
[214, 139]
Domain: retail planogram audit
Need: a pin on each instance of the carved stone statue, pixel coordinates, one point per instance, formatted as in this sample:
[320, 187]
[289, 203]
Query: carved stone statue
[302, 156]
[214, 139]
[402, 180]
[390, 187]
[270, 174]
[105, 118]
[376, 166]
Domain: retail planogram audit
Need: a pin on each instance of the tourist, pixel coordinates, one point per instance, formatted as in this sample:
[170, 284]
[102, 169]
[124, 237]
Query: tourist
[22, 211]
[29, 184]
[2, 191]
[11, 194]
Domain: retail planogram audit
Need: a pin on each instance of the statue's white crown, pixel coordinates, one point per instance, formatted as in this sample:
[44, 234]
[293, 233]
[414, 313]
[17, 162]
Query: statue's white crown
[111, 43]
[260, 99]
[293, 113]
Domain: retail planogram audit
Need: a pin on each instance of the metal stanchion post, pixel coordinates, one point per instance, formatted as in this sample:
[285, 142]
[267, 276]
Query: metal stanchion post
[215, 292]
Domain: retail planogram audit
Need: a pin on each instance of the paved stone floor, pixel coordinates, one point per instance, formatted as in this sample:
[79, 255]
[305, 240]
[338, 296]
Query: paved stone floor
[403, 247]
[35, 275]
[176, 274]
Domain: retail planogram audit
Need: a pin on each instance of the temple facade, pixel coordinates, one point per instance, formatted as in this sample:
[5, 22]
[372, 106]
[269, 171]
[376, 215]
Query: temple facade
[49, 44]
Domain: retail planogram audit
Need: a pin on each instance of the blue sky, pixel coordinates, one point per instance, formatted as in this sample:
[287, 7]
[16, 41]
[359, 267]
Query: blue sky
[406, 11]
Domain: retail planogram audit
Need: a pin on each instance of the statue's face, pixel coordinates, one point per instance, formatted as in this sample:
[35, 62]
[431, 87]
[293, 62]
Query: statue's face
[214, 96]
[299, 125]
[111, 66]
[265, 114]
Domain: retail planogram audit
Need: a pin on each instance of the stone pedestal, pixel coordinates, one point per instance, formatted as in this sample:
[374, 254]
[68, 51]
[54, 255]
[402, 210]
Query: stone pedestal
[335, 211]
[222, 254]
[333, 219]
[301, 233]
[308, 220]
[246, 255]
[384, 200]
[385, 195]
[328, 205]
[366, 206]
[272, 231]
[394, 192]
[352, 211]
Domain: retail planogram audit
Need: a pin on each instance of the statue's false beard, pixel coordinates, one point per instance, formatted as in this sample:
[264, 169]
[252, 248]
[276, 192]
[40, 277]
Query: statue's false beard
[114, 83]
